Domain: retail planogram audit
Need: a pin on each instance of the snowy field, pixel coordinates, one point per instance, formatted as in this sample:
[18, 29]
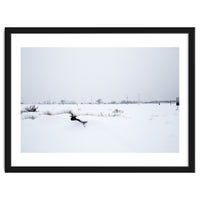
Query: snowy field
[111, 128]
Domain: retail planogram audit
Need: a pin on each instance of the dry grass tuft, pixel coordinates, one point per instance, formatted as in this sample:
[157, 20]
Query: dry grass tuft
[29, 117]
[31, 109]
[47, 113]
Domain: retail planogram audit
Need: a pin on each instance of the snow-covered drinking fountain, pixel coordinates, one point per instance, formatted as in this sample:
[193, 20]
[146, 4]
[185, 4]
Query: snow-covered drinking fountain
[74, 118]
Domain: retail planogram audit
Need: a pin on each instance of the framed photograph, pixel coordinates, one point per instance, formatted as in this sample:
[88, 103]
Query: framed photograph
[100, 99]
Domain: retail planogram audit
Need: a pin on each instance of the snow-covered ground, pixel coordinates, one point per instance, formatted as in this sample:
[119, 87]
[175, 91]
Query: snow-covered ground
[111, 128]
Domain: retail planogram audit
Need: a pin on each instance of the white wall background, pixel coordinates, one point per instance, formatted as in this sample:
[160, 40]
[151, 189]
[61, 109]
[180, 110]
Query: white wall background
[89, 13]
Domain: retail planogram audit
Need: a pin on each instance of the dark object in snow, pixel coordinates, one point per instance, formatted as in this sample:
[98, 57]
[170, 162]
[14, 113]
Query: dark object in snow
[177, 101]
[73, 118]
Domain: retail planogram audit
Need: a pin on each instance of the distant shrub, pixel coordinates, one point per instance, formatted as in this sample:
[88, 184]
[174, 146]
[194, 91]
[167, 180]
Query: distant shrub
[117, 111]
[99, 101]
[31, 109]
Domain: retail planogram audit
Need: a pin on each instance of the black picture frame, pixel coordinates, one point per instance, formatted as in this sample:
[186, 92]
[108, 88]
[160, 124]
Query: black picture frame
[190, 31]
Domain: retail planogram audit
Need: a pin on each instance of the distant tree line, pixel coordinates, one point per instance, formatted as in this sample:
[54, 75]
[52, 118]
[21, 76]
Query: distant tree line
[100, 101]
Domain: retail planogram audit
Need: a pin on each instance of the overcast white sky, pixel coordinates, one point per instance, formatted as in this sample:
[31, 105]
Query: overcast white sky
[108, 73]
